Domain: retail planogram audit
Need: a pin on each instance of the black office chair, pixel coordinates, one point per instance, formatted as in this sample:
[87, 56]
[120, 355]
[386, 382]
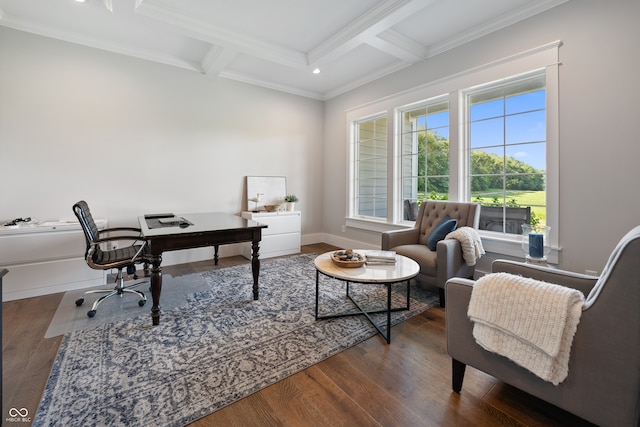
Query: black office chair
[99, 258]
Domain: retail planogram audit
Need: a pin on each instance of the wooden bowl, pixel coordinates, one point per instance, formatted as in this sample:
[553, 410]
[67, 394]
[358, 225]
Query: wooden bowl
[338, 258]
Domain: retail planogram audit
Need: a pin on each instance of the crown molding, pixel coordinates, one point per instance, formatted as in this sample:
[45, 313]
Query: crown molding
[493, 25]
[354, 84]
[101, 44]
[232, 75]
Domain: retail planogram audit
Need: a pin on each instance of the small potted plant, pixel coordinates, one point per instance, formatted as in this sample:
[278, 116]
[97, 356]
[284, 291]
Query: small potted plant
[290, 201]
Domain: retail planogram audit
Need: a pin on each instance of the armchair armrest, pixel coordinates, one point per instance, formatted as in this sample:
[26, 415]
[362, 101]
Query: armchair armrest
[582, 282]
[450, 260]
[458, 295]
[391, 239]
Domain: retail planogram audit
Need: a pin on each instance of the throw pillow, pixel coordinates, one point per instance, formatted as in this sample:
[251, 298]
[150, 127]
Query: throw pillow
[439, 232]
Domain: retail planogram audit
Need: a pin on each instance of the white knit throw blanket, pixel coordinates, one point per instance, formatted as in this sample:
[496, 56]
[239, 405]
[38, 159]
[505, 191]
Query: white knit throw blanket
[469, 239]
[528, 321]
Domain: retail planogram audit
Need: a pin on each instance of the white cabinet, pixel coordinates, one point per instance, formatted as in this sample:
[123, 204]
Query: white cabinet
[45, 258]
[281, 237]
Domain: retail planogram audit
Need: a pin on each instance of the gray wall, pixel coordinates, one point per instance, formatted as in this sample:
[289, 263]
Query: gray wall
[599, 147]
[133, 137]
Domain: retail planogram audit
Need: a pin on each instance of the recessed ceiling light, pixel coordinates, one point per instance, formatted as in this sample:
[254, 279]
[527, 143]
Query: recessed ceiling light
[81, 1]
[316, 71]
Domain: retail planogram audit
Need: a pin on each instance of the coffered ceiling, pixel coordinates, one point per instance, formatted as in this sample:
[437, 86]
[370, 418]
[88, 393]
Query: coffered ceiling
[274, 43]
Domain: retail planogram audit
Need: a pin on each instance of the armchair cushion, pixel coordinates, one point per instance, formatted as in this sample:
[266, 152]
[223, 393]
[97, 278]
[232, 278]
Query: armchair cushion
[426, 258]
[444, 227]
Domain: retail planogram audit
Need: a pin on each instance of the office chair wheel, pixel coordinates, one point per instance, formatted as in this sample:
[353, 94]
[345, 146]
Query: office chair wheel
[91, 313]
[79, 301]
[142, 302]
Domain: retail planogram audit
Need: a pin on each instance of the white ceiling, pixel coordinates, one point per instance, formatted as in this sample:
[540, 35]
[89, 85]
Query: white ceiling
[274, 43]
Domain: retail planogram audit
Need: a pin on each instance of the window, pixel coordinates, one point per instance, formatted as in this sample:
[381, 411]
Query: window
[506, 132]
[371, 167]
[424, 142]
[487, 134]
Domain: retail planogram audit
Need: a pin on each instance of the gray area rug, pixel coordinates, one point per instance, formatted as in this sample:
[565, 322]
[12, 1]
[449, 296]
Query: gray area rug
[218, 348]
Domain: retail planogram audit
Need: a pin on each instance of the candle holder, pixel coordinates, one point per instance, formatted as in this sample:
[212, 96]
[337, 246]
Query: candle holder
[535, 243]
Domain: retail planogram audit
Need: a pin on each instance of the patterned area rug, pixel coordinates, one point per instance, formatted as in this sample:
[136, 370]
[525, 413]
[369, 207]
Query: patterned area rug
[219, 348]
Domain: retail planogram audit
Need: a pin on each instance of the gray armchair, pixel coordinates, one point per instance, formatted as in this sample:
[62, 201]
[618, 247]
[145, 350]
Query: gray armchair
[603, 385]
[436, 267]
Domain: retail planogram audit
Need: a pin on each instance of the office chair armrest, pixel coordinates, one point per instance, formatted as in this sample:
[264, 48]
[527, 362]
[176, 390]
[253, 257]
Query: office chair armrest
[120, 233]
[116, 238]
[119, 230]
[133, 238]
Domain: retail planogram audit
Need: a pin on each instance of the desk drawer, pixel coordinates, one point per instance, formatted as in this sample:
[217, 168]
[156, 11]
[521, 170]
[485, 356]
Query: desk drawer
[281, 225]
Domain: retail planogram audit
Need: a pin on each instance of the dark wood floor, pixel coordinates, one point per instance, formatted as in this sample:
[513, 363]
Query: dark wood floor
[407, 383]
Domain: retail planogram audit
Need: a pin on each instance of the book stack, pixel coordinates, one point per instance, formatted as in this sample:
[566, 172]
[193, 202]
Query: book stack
[380, 257]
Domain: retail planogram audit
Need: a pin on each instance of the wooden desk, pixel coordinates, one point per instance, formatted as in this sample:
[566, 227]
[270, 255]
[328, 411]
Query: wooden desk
[206, 229]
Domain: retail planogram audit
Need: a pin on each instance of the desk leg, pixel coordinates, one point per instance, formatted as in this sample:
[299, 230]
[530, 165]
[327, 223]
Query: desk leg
[156, 288]
[255, 266]
[215, 255]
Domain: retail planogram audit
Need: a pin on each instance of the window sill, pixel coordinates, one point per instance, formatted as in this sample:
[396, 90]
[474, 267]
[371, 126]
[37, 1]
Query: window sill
[373, 225]
[492, 242]
[511, 246]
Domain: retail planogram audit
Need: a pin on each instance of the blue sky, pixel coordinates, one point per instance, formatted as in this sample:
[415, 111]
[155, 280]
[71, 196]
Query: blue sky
[517, 121]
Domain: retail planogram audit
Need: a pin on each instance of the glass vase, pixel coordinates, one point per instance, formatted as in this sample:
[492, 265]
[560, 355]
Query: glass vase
[535, 242]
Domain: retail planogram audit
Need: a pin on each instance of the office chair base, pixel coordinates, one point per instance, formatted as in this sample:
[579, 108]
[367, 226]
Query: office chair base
[118, 290]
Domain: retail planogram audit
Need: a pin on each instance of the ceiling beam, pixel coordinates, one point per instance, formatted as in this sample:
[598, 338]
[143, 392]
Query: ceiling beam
[399, 45]
[365, 29]
[217, 59]
[203, 31]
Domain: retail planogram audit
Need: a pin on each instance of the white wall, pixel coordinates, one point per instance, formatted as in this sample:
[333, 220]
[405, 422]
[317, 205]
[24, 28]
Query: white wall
[132, 137]
[599, 111]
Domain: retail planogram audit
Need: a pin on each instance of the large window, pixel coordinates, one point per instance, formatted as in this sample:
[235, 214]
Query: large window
[506, 137]
[489, 135]
[424, 142]
[371, 167]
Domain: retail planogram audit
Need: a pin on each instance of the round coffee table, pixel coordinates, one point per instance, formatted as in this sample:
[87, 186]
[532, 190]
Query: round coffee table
[403, 270]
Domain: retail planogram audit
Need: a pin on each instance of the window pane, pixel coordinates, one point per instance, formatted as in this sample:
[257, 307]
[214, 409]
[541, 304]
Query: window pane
[526, 127]
[487, 109]
[526, 102]
[526, 158]
[507, 148]
[426, 173]
[439, 119]
[371, 167]
[487, 161]
[487, 133]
